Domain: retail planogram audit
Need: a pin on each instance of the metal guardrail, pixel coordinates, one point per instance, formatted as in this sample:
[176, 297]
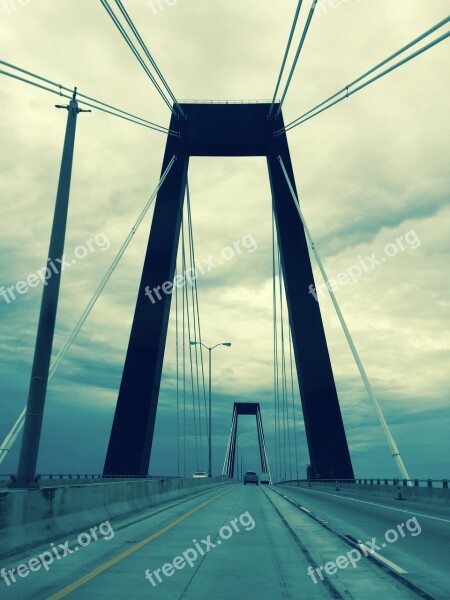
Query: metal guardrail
[6, 478]
[429, 483]
[423, 483]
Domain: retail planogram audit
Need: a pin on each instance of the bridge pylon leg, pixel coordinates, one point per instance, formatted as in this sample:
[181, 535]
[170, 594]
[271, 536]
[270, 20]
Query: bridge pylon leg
[134, 420]
[327, 442]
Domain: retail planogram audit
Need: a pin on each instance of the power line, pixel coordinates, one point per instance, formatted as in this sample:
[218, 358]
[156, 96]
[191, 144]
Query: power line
[134, 119]
[345, 90]
[299, 49]
[286, 54]
[149, 56]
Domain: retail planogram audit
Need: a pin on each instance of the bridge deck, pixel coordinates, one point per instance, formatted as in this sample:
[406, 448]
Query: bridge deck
[270, 547]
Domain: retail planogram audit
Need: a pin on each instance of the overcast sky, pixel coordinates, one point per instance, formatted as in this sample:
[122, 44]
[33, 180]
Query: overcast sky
[370, 170]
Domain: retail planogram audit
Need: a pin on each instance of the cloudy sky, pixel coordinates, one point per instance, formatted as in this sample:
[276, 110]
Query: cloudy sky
[369, 171]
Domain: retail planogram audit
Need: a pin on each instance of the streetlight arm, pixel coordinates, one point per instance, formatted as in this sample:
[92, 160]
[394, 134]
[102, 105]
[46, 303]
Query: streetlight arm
[208, 347]
[221, 344]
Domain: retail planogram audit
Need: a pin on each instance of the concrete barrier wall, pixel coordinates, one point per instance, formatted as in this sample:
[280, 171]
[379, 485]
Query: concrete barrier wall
[436, 496]
[32, 517]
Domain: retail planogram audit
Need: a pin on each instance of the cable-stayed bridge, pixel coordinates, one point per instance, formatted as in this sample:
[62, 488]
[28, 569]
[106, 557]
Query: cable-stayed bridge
[316, 534]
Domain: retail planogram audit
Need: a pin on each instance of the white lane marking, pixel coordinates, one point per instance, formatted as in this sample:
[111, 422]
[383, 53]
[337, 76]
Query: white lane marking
[375, 504]
[383, 559]
[386, 561]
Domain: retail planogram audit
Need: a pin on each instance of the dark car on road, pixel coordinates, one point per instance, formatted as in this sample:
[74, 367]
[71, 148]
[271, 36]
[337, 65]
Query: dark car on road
[250, 477]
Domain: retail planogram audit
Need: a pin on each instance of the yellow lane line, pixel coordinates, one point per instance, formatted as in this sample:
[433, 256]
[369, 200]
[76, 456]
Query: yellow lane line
[73, 586]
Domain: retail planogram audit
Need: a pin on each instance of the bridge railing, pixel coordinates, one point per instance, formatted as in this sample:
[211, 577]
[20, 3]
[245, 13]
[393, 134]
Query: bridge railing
[85, 477]
[429, 483]
[227, 101]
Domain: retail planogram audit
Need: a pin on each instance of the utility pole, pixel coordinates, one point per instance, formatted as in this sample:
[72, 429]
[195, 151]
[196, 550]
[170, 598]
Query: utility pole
[26, 473]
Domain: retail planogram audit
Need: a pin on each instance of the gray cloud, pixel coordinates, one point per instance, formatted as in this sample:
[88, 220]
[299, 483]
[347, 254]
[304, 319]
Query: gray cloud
[368, 171]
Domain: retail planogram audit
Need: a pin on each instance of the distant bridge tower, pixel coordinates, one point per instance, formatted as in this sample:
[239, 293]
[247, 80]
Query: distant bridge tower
[226, 130]
[245, 408]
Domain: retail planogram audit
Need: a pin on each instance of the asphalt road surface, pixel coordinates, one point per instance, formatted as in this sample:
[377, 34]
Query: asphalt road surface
[241, 542]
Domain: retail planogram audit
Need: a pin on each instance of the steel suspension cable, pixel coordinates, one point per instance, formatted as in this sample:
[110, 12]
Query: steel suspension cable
[280, 355]
[135, 51]
[283, 371]
[236, 460]
[130, 117]
[293, 400]
[178, 376]
[198, 314]
[389, 437]
[15, 431]
[227, 454]
[194, 314]
[109, 272]
[275, 355]
[286, 54]
[283, 365]
[183, 270]
[149, 56]
[12, 435]
[297, 55]
[188, 318]
[202, 360]
[327, 104]
[79, 94]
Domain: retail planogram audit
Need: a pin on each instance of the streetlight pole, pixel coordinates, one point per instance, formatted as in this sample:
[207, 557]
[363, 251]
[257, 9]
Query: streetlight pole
[210, 349]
